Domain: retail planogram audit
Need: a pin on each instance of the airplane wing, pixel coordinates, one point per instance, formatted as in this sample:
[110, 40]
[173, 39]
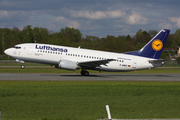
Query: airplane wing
[93, 64]
[160, 60]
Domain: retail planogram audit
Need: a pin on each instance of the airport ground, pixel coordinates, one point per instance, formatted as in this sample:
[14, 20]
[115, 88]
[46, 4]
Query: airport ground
[61, 99]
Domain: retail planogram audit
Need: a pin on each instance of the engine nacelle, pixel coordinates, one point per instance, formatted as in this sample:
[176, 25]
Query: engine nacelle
[66, 64]
[20, 61]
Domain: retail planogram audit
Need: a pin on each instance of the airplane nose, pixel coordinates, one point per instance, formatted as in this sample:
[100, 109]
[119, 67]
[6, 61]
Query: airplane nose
[7, 52]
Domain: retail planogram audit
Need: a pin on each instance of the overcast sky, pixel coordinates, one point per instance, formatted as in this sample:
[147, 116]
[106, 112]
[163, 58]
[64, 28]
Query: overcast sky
[92, 17]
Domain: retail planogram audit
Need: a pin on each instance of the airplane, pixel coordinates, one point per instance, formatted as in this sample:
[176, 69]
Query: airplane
[71, 58]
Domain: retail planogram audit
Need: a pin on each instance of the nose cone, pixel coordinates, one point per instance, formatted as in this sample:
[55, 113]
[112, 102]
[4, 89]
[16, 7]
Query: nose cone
[7, 51]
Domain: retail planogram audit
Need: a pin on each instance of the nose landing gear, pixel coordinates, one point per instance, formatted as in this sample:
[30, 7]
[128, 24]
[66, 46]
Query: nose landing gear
[22, 66]
[20, 61]
[84, 73]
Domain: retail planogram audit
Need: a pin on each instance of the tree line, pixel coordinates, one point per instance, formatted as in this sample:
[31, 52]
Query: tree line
[73, 37]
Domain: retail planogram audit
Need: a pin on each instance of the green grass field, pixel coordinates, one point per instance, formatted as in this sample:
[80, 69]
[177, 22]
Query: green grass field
[55, 100]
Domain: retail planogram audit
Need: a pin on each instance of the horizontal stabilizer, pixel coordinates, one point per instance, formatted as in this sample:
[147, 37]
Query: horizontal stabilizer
[161, 60]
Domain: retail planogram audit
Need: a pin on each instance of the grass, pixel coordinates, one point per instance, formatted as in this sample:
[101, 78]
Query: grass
[19, 64]
[55, 100]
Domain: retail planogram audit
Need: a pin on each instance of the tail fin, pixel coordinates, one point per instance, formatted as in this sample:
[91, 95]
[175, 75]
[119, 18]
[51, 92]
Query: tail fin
[154, 47]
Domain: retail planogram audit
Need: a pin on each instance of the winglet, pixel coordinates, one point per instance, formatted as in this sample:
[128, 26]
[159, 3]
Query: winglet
[154, 47]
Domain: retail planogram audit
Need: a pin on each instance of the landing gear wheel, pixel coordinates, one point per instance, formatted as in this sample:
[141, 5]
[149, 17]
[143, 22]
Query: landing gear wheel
[84, 73]
[22, 66]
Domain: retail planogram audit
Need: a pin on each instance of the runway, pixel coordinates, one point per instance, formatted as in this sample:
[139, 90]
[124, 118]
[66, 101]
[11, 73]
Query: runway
[93, 77]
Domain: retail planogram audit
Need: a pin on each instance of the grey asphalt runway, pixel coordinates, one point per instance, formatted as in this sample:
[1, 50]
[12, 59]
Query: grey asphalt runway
[92, 77]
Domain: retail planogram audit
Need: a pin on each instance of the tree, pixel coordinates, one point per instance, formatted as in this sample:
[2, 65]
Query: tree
[40, 35]
[73, 34]
[152, 33]
[142, 37]
[27, 35]
[169, 42]
[128, 38]
[139, 33]
[176, 41]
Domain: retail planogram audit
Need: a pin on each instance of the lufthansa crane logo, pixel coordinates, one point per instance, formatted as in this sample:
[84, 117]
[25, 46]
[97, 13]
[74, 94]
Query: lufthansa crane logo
[157, 45]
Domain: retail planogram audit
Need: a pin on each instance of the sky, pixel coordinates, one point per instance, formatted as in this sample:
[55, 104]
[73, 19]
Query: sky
[92, 17]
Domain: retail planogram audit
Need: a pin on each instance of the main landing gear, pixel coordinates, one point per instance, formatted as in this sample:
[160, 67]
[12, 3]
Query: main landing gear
[84, 73]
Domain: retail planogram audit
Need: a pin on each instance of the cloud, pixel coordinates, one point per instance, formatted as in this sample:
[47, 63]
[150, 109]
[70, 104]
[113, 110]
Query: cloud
[165, 25]
[3, 14]
[175, 20]
[73, 24]
[136, 18]
[96, 14]
[61, 22]
[60, 18]
[14, 16]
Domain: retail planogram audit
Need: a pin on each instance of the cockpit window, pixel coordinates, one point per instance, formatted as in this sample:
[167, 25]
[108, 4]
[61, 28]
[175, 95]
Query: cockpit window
[17, 47]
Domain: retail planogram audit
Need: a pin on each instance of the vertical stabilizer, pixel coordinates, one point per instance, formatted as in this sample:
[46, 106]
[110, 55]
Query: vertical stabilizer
[154, 47]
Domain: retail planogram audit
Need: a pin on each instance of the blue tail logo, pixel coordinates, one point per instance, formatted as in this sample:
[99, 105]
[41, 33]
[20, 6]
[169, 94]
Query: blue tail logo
[154, 47]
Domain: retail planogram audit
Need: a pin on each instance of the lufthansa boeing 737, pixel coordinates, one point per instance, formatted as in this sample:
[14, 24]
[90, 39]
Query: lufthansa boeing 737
[76, 58]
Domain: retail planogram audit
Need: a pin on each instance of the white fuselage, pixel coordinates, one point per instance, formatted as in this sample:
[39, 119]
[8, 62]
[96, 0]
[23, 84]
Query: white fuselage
[52, 54]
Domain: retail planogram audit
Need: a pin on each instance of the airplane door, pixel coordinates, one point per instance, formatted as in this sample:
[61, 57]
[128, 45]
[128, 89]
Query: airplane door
[30, 50]
[134, 63]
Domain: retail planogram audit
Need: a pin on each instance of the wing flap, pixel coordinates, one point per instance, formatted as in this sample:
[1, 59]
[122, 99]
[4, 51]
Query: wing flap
[93, 64]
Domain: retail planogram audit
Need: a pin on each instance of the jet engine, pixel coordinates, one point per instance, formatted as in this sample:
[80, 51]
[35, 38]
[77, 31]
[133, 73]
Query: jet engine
[68, 65]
